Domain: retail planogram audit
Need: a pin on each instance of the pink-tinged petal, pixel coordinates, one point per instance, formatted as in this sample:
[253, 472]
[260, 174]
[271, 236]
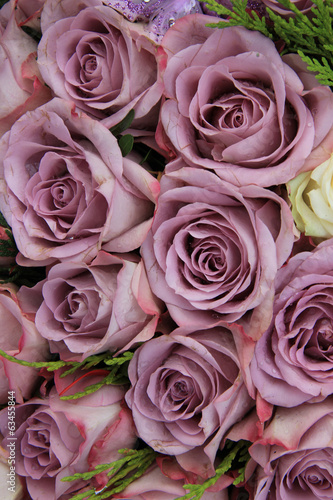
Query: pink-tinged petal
[23, 88]
[21, 340]
[295, 451]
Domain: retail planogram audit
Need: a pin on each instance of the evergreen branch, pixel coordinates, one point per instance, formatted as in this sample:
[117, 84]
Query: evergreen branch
[105, 358]
[113, 378]
[123, 472]
[235, 455]
[50, 365]
[323, 70]
[310, 37]
[239, 16]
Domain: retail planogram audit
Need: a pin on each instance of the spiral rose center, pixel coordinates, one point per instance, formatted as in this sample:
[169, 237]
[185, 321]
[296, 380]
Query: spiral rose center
[180, 390]
[90, 65]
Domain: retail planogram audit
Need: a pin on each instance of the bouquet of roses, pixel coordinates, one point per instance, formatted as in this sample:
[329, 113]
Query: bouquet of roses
[166, 249]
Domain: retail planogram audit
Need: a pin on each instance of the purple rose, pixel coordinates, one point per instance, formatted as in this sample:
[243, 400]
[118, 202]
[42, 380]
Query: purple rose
[214, 249]
[104, 306]
[295, 454]
[104, 64]
[56, 438]
[67, 190]
[234, 106]
[293, 360]
[188, 390]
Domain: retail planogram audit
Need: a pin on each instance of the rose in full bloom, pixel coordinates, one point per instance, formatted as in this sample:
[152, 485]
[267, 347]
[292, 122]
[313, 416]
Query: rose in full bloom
[187, 390]
[104, 306]
[104, 64]
[295, 454]
[19, 338]
[311, 195]
[56, 438]
[67, 190]
[293, 360]
[214, 249]
[22, 87]
[234, 106]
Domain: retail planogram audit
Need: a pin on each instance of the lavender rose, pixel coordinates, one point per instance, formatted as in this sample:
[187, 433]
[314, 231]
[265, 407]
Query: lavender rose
[56, 438]
[187, 390]
[214, 249]
[19, 338]
[295, 454]
[235, 107]
[104, 306]
[103, 63]
[67, 190]
[293, 360]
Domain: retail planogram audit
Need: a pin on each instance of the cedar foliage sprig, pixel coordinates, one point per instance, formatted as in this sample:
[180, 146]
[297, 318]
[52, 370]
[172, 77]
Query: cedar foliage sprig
[309, 36]
[123, 472]
[236, 456]
[117, 367]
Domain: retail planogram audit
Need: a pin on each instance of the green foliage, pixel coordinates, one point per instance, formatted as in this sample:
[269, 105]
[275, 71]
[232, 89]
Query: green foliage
[117, 375]
[309, 36]
[117, 367]
[126, 141]
[123, 125]
[126, 144]
[239, 16]
[123, 472]
[236, 456]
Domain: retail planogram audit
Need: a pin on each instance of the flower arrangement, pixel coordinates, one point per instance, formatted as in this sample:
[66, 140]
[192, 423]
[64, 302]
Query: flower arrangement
[166, 249]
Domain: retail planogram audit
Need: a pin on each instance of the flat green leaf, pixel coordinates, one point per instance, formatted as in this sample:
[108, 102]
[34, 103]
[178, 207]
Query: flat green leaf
[126, 144]
[123, 125]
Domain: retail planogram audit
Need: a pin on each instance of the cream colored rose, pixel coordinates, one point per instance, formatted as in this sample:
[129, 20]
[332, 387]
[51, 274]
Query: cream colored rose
[311, 195]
